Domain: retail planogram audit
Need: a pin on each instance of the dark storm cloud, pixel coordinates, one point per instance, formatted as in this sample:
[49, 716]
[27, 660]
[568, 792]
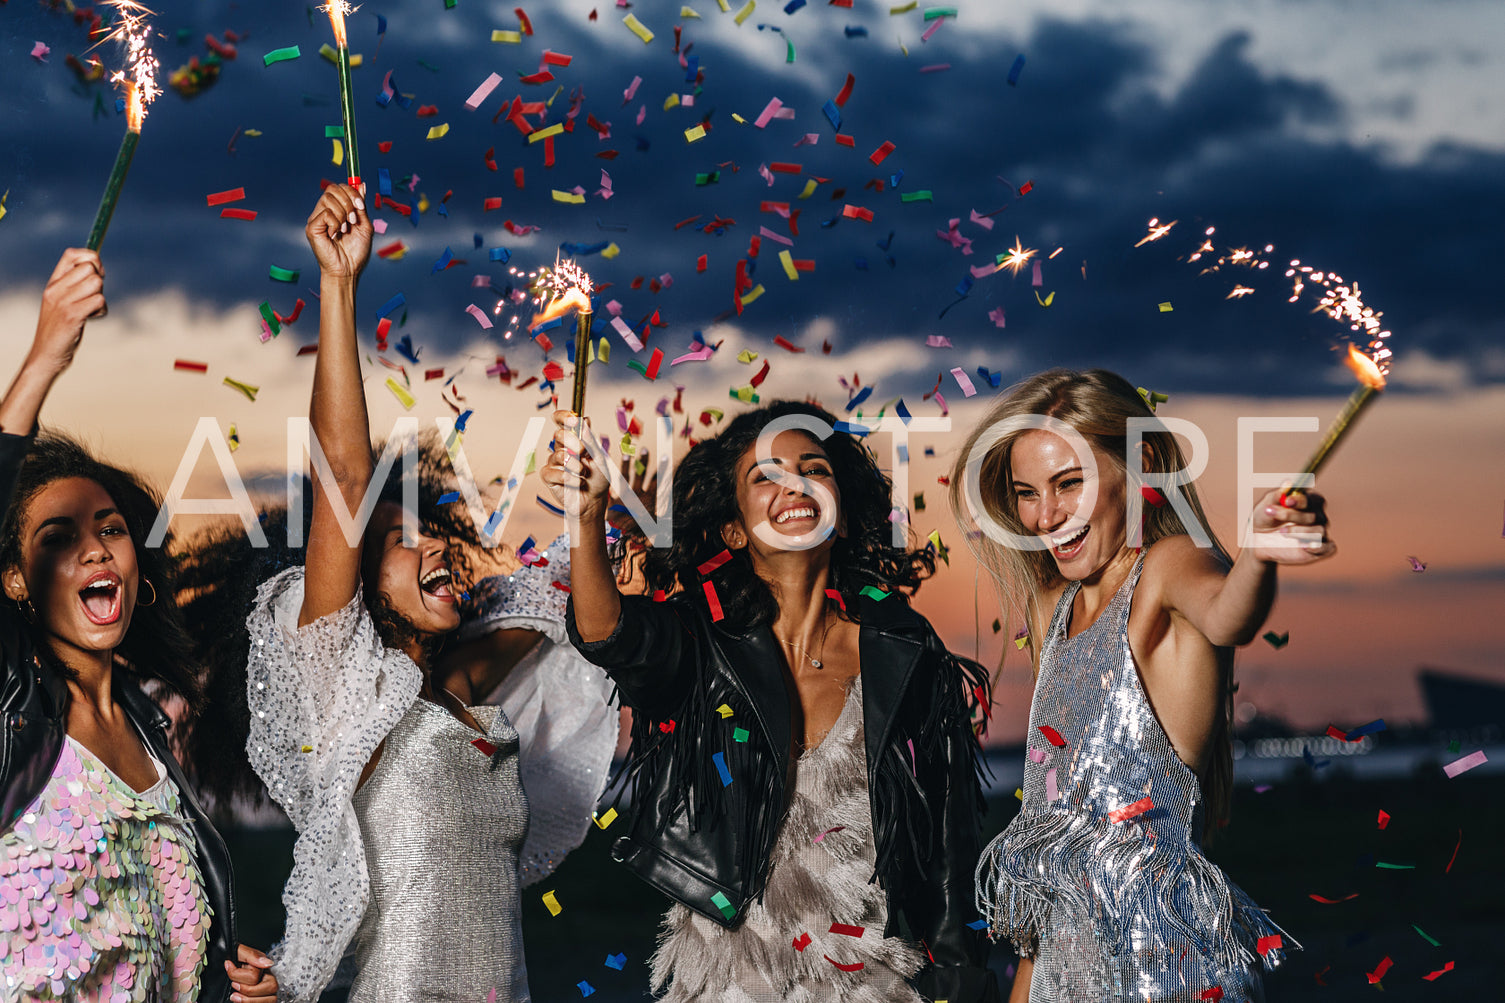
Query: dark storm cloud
[1233, 145]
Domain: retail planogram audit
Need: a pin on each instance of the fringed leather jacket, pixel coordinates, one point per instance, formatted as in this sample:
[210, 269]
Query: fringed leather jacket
[707, 845]
[33, 723]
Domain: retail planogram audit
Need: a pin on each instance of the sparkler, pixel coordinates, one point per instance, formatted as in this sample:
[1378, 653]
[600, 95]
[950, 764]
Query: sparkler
[1371, 382]
[140, 82]
[1016, 256]
[564, 287]
[337, 9]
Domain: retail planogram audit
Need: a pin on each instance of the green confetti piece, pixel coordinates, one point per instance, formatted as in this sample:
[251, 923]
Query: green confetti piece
[739, 735]
[282, 274]
[1424, 936]
[707, 177]
[270, 317]
[1394, 867]
[450, 4]
[931, 13]
[720, 901]
[874, 593]
[635, 364]
[334, 132]
[281, 55]
[923, 195]
[1455, 746]
[428, 66]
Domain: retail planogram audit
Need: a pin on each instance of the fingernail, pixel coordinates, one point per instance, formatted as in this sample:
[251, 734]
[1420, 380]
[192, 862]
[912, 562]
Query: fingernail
[360, 204]
[351, 217]
[1284, 529]
[1269, 510]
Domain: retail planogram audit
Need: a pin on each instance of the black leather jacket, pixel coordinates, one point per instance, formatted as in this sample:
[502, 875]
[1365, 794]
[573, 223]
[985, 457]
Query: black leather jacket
[698, 841]
[33, 720]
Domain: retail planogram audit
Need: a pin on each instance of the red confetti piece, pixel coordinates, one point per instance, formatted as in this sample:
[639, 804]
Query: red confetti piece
[782, 168]
[544, 342]
[715, 562]
[560, 586]
[1152, 496]
[833, 594]
[857, 212]
[1130, 811]
[1267, 944]
[801, 942]
[548, 151]
[713, 600]
[428, 110]
[1379, 970]
[384, 147]
[1052, 736]
[495, 202]
[1454, 857]
[785, 344]
[1026, 188]
[1384, 818]
[1328, 901]
[879, 155]
[857, 967]
[1434, 976]
[1215, 993]
[1333, 731]
[396, 247]
[433, 374]
[845, 92]
[700, 263]
[247, 214]
[754, 246]
[667, 727]
[553, 372]
[220, 198]
[487, 749]
[292, 317]
[192, 367]
[309, 350]
[845, 930]
[541, 77]
[653, 364]
[524, 23]
[659, 595]
[761, 375]
[842, 139]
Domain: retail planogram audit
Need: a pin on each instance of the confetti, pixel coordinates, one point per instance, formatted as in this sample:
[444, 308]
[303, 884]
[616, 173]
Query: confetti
[192, 367]
[638, 28]
[855, 966]
[1434, 976]
[245, 214]
[282, 274]
[713, 600]
[845, 930]
[280, 55]
[719, 759]
[1465, 764]
[438, 132]
[482, 92]
[1277, 641]
[220, 198]
[1130, 811]
[720, 901]
[552, 904]
[1267, 944]
[244, 388]
[403, 397]
[606, 819]
[801, 942]
[1052, 736]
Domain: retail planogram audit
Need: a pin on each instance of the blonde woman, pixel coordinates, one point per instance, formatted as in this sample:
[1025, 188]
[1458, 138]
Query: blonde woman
[1100, 880]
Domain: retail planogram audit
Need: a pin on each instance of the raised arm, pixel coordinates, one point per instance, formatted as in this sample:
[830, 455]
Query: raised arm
[339, 231]
[73, 294]
[580, 485]
[1229, 608]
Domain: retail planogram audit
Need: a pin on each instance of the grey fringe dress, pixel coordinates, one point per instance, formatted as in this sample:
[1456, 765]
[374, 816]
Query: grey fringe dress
[817, 933]
[1101, 876]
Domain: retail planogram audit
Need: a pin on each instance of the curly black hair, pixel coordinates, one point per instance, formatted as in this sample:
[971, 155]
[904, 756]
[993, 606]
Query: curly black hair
[220, 571]
[157, 647]
[705, 499]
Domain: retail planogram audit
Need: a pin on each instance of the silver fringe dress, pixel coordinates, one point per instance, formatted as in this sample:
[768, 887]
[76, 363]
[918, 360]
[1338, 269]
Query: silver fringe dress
[1101, 875]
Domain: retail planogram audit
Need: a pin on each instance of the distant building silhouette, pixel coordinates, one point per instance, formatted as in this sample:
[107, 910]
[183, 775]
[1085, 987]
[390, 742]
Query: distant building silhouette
[1455, 701]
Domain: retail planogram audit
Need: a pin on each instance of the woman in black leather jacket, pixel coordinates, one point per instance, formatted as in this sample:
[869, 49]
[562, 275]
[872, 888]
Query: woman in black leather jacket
[116, 884]
[804, 764]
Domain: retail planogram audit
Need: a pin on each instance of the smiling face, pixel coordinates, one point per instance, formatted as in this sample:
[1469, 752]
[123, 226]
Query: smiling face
[789, 511]
[416, 580]
[78, 568]
[1049, 484]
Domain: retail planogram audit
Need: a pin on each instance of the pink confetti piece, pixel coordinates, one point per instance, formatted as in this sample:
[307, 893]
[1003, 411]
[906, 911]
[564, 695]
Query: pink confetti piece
[834, 828]
[930, 31]
[1051, 792]
[1465, 764]
[480, 316]
[964, 381]
[614, 307]
[40, 51]
[768, 112]
[1036, 279]
[627, 334]
[482, 92]
[1037, 756]
[935, 67]
[982, 271]
[698, 355]
[765, 174]
[768, 234]
[981, 220]
[808, 139]
[379, 225]
[996, 316]
[630, 92]
[937, 341]
[642, 114]
[940, 399]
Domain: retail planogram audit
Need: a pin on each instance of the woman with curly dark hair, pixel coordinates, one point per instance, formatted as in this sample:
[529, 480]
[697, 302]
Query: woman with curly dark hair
[805, 770]
[116, 886]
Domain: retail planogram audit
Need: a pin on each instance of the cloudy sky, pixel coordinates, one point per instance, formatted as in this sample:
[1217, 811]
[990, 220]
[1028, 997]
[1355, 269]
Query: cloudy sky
[1366, 139]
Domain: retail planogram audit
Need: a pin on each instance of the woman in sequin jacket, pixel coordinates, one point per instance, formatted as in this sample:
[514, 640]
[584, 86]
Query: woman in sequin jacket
[805, 764]
[114, 884]
[1132, 614]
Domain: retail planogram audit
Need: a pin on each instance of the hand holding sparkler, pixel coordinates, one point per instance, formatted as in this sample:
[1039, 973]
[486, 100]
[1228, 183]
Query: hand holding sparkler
[567, 287]
[339, 232]
[1291, 528]
[1371, 382]
[576, 481]
[73, 294]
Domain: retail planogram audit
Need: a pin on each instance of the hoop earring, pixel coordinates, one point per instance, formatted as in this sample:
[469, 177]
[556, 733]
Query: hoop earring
[148, 583]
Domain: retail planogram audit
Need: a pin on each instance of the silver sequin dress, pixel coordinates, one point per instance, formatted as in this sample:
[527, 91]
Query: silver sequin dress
[817, 934]
[1109, 892]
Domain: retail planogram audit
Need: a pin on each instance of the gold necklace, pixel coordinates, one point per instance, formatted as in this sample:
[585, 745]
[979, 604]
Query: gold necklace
[814, 662]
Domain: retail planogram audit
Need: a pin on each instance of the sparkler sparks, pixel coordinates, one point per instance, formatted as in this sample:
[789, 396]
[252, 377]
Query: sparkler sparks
[140, 75]
[1157, 230]
[1017, 256]
[337, 9]
[560, 289]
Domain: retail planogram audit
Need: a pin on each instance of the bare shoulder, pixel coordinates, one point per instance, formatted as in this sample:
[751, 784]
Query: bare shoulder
[1176, 563]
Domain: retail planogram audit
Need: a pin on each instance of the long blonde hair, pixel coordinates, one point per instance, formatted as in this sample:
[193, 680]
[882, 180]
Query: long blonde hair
[1098, 405]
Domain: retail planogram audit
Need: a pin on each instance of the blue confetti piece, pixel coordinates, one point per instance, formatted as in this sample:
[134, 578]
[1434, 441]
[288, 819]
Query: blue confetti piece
[894, 179]
[461, 421]
[500, 254]
[903, 453]
[449, 497]
[585, 988]
[692, 69]
[858, 32]
[119, 106]
[381, 25]
[546, 506]
[617, 961]
[547, 325]
[977, 924]
[405, 349]
[493, 523]
[384, 181]
[964, 286]
[993, 378]
[793, 5]
[390, 305]
[443, 210]
[904, 416]
[719, 759]
[443, 262]
[862, 395]
[886, 242]
[833, 114]
[477, 238]
[1015, 70]
[852, 428]
[581, 250]
[930, 451]
[1377, 724]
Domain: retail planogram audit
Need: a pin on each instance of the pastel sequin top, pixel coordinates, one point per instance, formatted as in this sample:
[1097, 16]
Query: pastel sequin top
[101, 899]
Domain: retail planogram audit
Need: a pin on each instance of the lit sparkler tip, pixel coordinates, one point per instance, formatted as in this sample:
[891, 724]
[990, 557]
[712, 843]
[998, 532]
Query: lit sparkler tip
[1365, 368]
[1017, 256]
[337, 9]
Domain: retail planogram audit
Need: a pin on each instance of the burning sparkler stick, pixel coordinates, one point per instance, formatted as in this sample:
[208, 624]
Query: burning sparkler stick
[1371, 382]
[562, 289]
[140, 82]
[337, 9]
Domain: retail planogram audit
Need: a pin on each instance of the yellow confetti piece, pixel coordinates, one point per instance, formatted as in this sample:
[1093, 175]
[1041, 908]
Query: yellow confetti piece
[688, 12]
[233, 438]
[787, 260]
[244, 388]
[612, 250]
[569, 197]
[752, 294]
[725, 7]
[904, 8]
[532, 463]
[672, 101]
[252, 133]
[1019, 793]
[307, 748]
[1048, 300]
[1020, 642]
[510, 37]
[423, 203]
[557, 91]
[1166, 308]
[403, 397]
[552, 904]
[546, 132]
[628, 449]
[605, 820]
[725, 711]
[327, 51]
[603, 352]
[339, 153]
[810, 184]
[746, 356]
[738, 119]
[638, 28]
[2, 203]
[438, 131]
[746, 11]
[746, 394]
[694, 133]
